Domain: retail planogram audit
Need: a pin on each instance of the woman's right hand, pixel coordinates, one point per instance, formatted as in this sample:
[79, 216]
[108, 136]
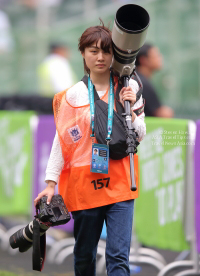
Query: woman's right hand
[48, 191]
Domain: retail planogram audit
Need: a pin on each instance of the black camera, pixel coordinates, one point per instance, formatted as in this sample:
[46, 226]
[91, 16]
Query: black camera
[47, 215]
[53, 214]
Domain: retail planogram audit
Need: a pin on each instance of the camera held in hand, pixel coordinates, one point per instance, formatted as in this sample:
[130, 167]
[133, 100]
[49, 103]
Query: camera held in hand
[53, 214]
[47, 215]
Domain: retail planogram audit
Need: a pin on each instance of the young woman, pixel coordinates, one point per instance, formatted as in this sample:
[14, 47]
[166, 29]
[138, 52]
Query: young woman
[93, 197]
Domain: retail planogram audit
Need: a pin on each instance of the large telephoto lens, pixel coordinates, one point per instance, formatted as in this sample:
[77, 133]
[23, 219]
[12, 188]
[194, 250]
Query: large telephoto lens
[23, 238]
[128, 36]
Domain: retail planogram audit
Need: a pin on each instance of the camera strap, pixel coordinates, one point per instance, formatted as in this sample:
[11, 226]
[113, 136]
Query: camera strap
[39, 247]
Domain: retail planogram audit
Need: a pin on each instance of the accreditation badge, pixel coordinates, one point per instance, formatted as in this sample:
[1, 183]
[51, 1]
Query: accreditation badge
[100, 159]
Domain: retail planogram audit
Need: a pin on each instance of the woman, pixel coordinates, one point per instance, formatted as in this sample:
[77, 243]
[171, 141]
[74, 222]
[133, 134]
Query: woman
[93, 197]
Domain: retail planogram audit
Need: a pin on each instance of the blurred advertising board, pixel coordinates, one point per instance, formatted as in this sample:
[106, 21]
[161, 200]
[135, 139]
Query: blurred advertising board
[159, 209]
[15, 162]
[197, 184]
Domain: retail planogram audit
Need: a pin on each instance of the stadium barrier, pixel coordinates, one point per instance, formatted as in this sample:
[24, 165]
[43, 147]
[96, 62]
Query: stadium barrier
[192, 220]
[197, 184]
[15, 162]
[164, 213]
[159, 209]
[15, 168]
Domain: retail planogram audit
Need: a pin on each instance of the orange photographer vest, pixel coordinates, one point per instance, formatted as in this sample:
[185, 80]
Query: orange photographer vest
[80, 188]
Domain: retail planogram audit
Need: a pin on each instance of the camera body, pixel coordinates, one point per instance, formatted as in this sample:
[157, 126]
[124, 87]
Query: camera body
[54, 213]
[47, 215]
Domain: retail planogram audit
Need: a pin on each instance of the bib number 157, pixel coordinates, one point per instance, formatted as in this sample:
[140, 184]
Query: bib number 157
[101, 183]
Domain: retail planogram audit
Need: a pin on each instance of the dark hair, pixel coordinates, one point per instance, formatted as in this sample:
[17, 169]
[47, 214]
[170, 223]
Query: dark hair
[92, 35]
[54, 46]
[143, 52]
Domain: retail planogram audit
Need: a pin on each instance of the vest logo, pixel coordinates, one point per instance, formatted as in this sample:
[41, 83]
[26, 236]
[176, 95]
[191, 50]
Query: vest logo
[75, 133]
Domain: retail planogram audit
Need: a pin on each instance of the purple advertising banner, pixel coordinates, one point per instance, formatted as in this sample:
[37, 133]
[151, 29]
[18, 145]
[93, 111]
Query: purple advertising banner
[197, 183]
[43, 139]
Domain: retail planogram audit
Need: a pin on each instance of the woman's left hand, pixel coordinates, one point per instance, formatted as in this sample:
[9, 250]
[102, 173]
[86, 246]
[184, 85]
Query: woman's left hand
[127, 94]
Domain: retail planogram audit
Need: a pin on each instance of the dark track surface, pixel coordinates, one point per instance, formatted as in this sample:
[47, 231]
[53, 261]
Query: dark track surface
[21, 264]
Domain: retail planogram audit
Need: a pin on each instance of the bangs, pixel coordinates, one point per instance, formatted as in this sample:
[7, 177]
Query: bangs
[106, 42]
[95, 34]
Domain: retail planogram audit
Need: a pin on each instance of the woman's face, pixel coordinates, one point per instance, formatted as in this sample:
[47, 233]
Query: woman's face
[96, 59]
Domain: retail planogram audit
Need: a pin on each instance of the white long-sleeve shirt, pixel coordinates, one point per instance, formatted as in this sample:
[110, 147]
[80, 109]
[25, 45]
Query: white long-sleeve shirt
[78, 96]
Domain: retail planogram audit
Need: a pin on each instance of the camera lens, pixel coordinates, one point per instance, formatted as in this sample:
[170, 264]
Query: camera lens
[23, 238]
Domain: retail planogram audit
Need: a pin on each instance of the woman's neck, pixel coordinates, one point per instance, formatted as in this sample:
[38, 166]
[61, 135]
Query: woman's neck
[100, 81]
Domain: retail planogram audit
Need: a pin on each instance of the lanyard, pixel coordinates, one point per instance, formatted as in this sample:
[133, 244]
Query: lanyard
[110, 107]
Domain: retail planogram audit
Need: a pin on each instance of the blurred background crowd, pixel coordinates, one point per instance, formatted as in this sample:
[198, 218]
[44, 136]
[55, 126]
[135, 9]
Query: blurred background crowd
[31, 29]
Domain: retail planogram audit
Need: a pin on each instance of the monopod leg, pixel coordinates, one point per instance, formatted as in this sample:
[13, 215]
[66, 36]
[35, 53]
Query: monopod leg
[128, 120]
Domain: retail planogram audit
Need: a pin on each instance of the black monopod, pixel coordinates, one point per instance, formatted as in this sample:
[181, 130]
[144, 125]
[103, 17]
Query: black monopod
[128, 36]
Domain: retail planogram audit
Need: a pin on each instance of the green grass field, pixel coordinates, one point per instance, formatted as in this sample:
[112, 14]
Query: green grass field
[7, 273]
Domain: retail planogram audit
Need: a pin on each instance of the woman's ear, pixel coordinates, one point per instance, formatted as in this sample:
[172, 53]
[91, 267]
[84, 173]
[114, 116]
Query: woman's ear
[83, 54]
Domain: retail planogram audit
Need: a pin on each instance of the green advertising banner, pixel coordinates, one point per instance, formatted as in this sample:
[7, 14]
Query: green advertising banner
[15, 163]
[159, 209]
